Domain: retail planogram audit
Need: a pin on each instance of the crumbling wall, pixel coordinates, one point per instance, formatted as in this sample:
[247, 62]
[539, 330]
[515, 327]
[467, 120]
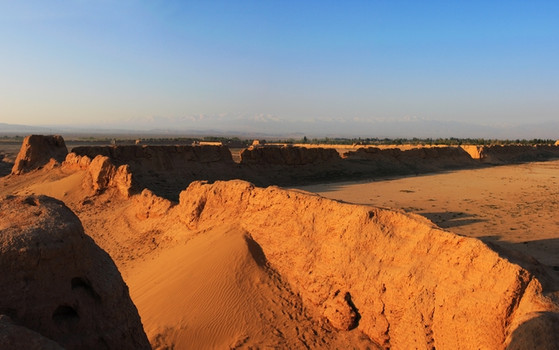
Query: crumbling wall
[37, 151]
[286, 155]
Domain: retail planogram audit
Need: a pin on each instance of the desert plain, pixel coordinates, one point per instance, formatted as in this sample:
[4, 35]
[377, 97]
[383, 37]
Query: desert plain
[514, 206]
[174, 249]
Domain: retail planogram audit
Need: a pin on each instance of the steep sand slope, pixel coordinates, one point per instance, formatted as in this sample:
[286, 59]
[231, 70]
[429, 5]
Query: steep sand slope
[217, 292]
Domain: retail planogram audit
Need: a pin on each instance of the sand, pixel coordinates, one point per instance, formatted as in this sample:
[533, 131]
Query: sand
[512, 205]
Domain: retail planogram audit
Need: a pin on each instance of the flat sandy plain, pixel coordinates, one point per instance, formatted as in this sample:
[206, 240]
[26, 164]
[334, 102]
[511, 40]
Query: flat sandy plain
[514, 206]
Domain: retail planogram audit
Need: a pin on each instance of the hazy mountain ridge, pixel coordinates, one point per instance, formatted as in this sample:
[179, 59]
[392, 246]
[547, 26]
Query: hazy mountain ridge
[271, 126]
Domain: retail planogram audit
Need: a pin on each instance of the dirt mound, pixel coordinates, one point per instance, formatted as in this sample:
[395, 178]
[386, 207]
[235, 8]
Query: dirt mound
[395, 277]
[288, 155]
[37, 151]
[57, 282]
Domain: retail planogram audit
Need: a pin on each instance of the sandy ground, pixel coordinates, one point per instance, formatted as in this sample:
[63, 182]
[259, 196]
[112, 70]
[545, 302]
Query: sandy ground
[514, 205]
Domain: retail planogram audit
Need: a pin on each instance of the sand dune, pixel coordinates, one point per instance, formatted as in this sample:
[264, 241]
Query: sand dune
[218, 292]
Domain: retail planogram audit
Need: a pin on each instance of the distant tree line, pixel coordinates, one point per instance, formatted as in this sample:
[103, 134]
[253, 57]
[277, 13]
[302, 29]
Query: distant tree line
[238, 142]
[452, 141]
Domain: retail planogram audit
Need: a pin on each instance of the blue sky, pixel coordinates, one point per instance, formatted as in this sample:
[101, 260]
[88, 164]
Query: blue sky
[117, 62]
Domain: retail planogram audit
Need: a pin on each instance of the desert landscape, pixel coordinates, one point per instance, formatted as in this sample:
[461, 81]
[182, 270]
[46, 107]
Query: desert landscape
[181, 247]
[279, 175]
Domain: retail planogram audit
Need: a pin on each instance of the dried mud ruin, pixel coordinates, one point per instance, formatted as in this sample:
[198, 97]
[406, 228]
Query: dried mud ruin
[131, 247]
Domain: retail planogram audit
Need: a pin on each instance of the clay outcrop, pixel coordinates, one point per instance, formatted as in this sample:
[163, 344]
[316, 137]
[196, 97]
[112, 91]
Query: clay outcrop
[165, 170]
[517, 154]
[497, 154]
[473, 150]
[373, 160]
[101, 174]
[58, 283]
[287, 155]
[395, 277]
[159, 157]
[14, 337]
[37, 151]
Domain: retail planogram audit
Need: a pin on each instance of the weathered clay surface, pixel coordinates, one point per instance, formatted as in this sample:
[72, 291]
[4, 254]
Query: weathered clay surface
[511, 153]
[75, 162]
[397, 278]
[37, 151]
[516, 154]
[57, 282]
[159, 157]
[14, 337]
[165, 170]
[104, 174]
[393, 160]
[101, 174]
[148, 205]
[288, 155]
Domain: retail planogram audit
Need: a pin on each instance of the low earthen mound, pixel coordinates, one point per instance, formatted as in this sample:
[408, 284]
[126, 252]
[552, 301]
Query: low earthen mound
[37, 151]
[395, 277]
[57, 282]
[287, 155]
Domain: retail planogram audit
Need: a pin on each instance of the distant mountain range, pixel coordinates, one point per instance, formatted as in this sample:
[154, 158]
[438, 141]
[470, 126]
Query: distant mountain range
[264, 126]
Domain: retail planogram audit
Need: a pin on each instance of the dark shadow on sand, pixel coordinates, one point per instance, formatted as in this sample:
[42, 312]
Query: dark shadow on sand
[523, 253]
[449, 219]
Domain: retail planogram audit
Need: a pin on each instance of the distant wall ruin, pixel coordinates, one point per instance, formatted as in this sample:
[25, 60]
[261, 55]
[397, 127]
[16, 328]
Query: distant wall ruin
[288, 155]
[166, 170]
[37, 151]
